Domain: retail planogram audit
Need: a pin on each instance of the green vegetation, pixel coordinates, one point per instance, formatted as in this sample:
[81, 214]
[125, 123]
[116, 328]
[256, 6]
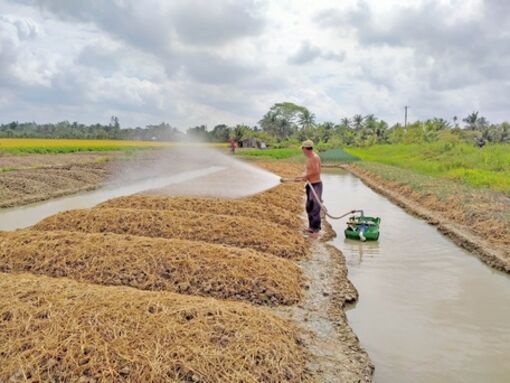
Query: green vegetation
[284, 125]
[277, 154]
[480, 167]
[45, 146]
[337, 155]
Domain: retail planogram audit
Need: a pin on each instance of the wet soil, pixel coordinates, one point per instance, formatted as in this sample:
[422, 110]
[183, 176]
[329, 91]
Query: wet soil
[337, 354]
[26, 179]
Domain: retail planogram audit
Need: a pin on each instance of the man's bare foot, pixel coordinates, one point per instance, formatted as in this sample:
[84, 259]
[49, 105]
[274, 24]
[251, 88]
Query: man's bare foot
[308, 231]
[314, 235]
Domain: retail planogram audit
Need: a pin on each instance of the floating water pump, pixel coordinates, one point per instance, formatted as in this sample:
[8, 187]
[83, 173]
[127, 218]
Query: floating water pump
[362, 227]
[359, 227]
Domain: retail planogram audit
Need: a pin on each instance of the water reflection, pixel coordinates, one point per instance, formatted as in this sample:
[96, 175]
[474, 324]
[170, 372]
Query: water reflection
[358, 250]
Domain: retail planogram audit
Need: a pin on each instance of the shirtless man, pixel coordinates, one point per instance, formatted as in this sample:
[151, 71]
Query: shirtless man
[312, 175]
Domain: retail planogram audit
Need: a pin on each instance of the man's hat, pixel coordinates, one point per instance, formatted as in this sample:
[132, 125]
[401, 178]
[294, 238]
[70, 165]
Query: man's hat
[308, 144]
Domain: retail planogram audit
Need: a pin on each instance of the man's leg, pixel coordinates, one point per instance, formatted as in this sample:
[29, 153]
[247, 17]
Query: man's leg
[315, 211]
[309, 205]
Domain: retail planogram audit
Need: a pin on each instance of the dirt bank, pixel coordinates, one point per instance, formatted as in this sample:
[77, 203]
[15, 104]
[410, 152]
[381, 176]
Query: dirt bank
[32, 178]
[489, 249]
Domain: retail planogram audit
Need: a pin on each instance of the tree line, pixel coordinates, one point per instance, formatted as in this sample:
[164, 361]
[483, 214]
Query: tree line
[283, 125]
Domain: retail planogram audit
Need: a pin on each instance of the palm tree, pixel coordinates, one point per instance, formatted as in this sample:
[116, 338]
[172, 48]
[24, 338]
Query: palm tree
[471, 120]
[306, 119]
[346, 122]
[357, 121]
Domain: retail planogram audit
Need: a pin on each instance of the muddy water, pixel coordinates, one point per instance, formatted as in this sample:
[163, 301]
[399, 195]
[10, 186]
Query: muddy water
[428, 311]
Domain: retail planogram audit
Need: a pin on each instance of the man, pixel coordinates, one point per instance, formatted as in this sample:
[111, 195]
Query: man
[313, 176]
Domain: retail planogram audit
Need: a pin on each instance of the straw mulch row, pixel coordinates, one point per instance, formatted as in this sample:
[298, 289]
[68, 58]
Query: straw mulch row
[235, 208]
[221, 229]
[287, 196]
[181, 266]
[282, 168]
[59, 330]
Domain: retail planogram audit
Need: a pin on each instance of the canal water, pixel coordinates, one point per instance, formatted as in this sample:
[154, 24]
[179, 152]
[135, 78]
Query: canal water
[428, 311]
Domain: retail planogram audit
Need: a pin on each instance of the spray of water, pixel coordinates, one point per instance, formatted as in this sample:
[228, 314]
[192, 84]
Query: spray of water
[225, 175]
[195, 170]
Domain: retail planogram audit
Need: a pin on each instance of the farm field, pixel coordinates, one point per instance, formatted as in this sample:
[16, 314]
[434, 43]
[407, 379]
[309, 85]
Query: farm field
[32, 173]
[487, 167]
[214, 273]
[276, 154]
[45, 146]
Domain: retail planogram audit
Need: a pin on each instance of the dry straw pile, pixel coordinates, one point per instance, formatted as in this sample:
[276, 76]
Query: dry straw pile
[181, 266]
[288, 196]
[282, 168]
[57, 330]
[235, 208]
[234, 231]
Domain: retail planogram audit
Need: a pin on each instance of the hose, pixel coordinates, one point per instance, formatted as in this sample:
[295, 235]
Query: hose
[319, 201]
[316, 197]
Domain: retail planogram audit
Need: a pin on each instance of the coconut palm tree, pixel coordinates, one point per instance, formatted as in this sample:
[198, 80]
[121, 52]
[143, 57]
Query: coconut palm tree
[471, 121]
[357, 121]
[345, 122]
[306, 119]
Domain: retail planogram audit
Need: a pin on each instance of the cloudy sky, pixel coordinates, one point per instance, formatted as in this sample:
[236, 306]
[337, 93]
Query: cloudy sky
[192, 62]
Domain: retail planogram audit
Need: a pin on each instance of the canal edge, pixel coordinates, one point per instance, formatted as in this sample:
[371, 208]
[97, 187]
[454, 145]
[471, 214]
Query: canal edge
[474, 244]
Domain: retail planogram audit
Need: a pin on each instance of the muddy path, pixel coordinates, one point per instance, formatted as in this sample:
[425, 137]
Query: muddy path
[337, 355]
[492, 254]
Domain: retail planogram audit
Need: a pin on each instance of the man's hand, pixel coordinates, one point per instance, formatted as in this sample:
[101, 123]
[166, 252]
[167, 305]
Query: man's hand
[300, 178]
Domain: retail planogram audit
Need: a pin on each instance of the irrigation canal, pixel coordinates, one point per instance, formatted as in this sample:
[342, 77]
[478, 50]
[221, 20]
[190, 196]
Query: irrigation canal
[428, 311]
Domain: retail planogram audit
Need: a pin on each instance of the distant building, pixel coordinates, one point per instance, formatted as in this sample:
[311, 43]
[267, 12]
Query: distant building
[252, 142]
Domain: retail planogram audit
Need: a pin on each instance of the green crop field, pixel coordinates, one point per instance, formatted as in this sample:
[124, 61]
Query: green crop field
[44, 146]
[277, 154]
[480, 167]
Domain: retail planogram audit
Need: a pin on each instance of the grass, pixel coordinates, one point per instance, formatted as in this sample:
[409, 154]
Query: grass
[479, 167]
[46, 146]
[277, 154]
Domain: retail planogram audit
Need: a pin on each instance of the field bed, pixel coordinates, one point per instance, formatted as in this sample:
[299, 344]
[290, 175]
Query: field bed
[66, 331]
[221, 229]
[286, 196]
[234, 208]
[186, 267]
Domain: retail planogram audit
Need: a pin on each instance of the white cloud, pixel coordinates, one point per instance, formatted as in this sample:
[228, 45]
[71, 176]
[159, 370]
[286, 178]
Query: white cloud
[229, 61]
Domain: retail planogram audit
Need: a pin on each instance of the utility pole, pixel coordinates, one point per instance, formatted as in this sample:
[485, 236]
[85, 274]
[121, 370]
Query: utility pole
[405, 116]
